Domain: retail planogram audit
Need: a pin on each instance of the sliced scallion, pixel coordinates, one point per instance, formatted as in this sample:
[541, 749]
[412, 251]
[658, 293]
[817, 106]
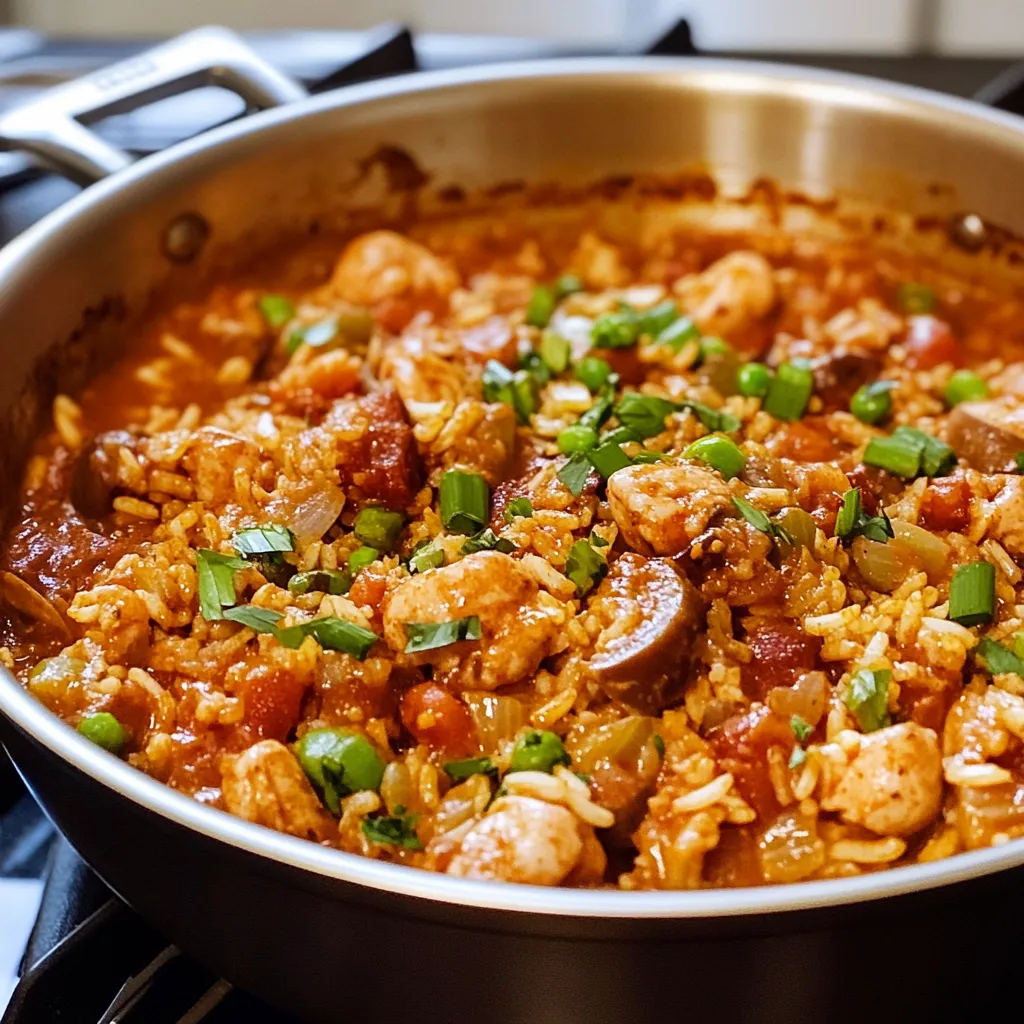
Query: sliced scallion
[277, 310]
[679, 333]
[541, 306]
[555, 351]
[215, 574]
[620, 329]
[465, 498]
[608, 459]
[566, 285]
[333, 634]
[459, 771]
[643, 414]
[262, 620]
[789, 391]
[378, 528]
[899, 456]
[972, 594]
[260, 540]
[997, 658]
[759, 521]
[656, 319]
[361, 558]
[428, 636]
[324, 581]
[518, 507]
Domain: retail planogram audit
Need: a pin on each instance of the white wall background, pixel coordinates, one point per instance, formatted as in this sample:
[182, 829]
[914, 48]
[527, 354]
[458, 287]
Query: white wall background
[893, 26]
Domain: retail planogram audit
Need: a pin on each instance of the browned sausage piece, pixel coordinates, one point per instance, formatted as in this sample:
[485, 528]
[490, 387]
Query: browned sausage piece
[987, 435]
[96, 473]
[649, 613]
[838, 375]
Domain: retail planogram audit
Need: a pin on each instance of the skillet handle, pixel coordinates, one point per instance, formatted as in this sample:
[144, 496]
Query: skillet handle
[54, 127]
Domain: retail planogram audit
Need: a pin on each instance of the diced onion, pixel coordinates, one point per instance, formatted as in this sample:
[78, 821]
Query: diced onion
[497, 718]
[620, 742]
[789, 849]
[884, 566]
[932, 551]
[805, 699]
[315, 515]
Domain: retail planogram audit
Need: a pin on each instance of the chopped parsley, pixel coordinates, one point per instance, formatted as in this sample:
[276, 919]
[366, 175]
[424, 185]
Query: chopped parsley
[759, 521]
[997, 658]
[867, 696]
[852, 521]
[584, 566]
[801, 728]
[216, 582]
[574, 473]
[393, 830]
[459, 771]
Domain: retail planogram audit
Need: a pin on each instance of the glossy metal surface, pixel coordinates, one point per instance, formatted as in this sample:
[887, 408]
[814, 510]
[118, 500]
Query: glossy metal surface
[271, 176]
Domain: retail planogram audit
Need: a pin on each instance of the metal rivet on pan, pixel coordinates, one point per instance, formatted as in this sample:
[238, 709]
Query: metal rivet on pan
[185, 237]
[968, 231]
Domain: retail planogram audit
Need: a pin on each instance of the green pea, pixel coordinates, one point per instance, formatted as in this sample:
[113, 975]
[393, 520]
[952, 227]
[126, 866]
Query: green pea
[719, 453]
[577, 438]
[361, 558]
[537, 751]
[753, 379]
[871, 403]
[593, 372]
[105, 731]
[964, 386]
[339, 762]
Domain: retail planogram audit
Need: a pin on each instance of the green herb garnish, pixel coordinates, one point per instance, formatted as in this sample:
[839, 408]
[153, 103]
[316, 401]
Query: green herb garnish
[574, 473]
[216, 582]
[459, 771]
[584, 566]
[393, 830]
[428, 636]
[465, 499]
[867, 696]
[852, 521]
[972, 594]
[759, 521]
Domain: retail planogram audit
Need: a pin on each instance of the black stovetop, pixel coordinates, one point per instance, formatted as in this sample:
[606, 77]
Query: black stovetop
[90, 958]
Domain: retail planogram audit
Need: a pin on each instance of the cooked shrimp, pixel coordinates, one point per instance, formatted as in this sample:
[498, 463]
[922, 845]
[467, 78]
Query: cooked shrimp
[520, 624]
[521, 839]
[893, 786]
[730, 294]
[266, 785]
[384, 265]
[662, 507]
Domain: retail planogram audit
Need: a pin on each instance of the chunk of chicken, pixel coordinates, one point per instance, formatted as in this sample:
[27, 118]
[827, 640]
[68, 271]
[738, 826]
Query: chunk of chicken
[480, 436]
[385, 265]
[893, 786]
[266, 785]
[425, 370]
[522, 839]
[520, 624]
[662, 507]
[211, 460]
[988, 435]
[1007, 523]
[730, 294]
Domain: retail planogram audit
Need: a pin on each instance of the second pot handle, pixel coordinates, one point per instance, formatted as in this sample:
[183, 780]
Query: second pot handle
[54, 127]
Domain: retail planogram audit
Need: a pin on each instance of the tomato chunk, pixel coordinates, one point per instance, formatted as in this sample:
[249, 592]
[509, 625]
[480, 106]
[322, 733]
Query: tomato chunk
[272, 699]
[946, 504]
[439, 719]
[782, 653]
[930, 342]
[741, 744]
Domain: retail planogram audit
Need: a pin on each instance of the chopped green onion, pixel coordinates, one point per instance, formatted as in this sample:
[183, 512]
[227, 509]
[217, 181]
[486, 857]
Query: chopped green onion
[105, 731]
[574, 473]
[867, 696]
[378, 527]
[427, 555]
[937, 458]
[972, 594]
[555, 351]
[759, 521]
[538, 751]
[517, 389]
[899, 456]
[518, 507]
[598, 541]
[712, 347]
[584, 566]
[679, 333]
[659, 745]
[361, 558]
[593, 372]
[789, 391]
[487, 540]
[1019, 459]
[620, 435]
[315, 335]
[532, 363]
[566, 285]
[428, 636]
[656, 319]
[333, 634]
[595, 416]
[797, 758]
[262, 620]
[753, 380]
[608, 459]
[852, 521]
[997, 658]
[459, 771]
[719, 453]
[263, 539]
[616, 330]
[339, 762]
[465, 499]
[915, 299]
[643, 414]
[577, 438]
[646, 456]
[325, 581]
[215, 574]
[964, 386]
[393, 830]
[541, 306]
[801, 729]
[871, 403]
[276, 310]
[713, 419]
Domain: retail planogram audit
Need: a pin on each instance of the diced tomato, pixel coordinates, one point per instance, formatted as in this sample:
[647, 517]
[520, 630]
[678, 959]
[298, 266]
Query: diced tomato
[928, 706]
[741, 744]
[804, 441]
[877, 487]
[946, 504]
[369, 588]
[394, 313]
[626, 363]
[825, 508]
[439, 719]
[734, 861]
[782, 653]
[272, 698]
[930, 342]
